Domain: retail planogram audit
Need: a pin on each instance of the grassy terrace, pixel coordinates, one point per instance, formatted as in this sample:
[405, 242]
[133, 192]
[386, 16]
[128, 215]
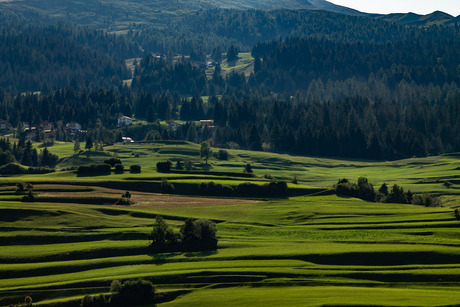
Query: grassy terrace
[312, 250]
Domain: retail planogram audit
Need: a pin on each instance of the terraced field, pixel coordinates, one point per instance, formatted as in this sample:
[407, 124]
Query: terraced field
[309, 250]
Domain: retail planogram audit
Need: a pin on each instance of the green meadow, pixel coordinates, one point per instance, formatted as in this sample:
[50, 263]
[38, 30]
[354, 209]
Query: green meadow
[312, 248]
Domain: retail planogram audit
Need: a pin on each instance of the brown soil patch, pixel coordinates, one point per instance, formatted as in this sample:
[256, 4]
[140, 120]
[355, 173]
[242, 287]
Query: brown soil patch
[142, 199]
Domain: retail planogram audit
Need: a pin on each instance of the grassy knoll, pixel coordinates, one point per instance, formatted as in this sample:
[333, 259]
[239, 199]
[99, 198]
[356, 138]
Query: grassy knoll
[307, 250]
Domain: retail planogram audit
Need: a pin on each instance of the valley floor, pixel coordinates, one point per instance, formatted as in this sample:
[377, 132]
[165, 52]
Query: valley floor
[309, 250]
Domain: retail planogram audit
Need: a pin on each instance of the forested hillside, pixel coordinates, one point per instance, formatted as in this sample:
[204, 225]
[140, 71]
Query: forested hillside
[42, 58]
[319, 83]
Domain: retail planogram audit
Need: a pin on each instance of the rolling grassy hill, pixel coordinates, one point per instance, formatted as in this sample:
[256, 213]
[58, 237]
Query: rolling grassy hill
[305, 250]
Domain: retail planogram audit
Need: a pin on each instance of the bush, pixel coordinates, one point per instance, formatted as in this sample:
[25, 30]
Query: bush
[203, 230]
[119, 168]
[40, 170]
[248, 168]
[124, 202]
[112, 161]
[29, 197]
[12, 169]
[162, 233]
[135, 169]
[210, 188]
[93, 301]
[20, 188]
[222, 154]
[94, 169]
[166, 186]
[133, 292]
[278, 188]
[426, 200]
[164, 167]
[179, 165]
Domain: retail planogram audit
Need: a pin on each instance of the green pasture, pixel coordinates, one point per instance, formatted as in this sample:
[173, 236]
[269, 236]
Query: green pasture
[309, 250]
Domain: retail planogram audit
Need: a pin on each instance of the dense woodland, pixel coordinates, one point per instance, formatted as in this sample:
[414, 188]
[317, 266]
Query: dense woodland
[336, 86]
[47, 57]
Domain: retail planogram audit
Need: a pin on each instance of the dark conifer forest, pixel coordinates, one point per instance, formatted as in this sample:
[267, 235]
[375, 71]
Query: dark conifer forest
[322, 83]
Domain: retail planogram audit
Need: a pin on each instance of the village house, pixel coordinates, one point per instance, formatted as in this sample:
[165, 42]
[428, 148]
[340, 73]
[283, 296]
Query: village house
[124, 121]
[46, 126]
[24, 126]
[73, 127]
[206, 123]
[5, 125]
[127, 139]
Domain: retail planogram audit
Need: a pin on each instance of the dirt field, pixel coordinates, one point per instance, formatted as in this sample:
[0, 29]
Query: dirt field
[142, 199]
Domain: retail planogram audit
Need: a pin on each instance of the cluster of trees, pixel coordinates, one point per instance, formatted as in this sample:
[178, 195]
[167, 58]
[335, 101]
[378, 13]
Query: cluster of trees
[201, 230]
[24, 153]
[365, 190]
[132, 292]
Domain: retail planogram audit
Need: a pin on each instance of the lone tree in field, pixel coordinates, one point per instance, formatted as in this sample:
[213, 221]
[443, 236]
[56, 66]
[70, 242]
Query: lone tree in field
[76, 146]
[206, 151]
[89, 143]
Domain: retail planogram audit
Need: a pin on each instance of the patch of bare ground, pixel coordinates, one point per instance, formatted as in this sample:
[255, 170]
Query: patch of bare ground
[142, 199]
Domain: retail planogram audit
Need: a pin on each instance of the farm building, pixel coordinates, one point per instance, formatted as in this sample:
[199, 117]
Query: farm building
[124, 121]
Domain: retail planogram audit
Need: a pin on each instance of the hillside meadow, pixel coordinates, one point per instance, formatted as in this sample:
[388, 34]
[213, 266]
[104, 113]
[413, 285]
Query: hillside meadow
[310, 248]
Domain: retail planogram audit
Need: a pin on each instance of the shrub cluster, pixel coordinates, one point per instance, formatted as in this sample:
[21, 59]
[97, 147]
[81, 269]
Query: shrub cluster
[222, 155]
[193, 230]
[198, 230]
[119, 168]
[132, 292]
[94, 169]
[211, 188]
[112, 161]
[17, 169]
[167, 187]
[275, 188]
[135, 169]
[164, 167]
[364, 190]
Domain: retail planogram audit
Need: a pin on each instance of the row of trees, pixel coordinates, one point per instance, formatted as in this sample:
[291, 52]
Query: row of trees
[365, 190]
[24, 153]
[201, 230]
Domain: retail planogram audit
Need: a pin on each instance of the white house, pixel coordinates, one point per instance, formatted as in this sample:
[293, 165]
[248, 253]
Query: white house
[127, 139]
[124, 121]
[73, 127]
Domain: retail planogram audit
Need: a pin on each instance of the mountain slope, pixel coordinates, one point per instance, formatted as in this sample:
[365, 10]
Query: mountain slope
[411, 19]
[114, 15]
[328, 6]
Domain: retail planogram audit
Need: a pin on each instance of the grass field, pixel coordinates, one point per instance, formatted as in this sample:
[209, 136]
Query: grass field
[309, 250]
